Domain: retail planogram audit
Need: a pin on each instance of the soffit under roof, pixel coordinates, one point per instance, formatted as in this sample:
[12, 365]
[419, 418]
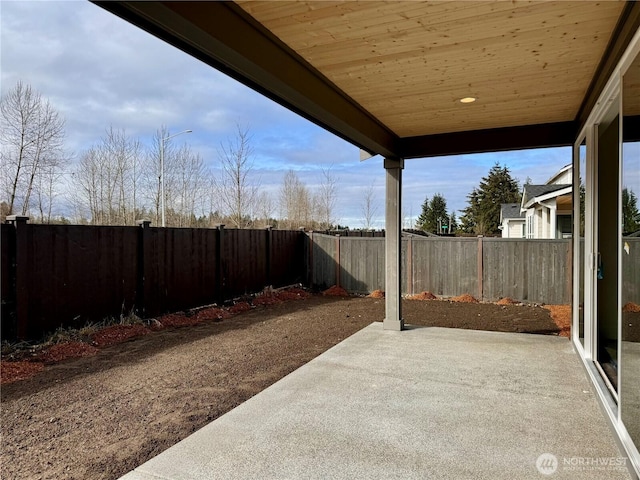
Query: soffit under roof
[409, 63]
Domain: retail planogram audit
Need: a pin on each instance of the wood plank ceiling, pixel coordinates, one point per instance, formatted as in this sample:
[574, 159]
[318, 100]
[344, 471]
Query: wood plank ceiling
[409, 63]
[389, 76]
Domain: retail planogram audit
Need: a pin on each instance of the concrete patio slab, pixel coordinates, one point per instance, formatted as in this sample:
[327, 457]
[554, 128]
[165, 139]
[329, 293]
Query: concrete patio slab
[422, 403]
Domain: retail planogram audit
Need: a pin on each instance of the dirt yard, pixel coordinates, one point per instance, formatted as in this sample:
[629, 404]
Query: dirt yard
[100, 416]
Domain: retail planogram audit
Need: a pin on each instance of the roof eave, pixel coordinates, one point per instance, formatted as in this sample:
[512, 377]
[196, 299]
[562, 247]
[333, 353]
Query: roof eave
[548, 196]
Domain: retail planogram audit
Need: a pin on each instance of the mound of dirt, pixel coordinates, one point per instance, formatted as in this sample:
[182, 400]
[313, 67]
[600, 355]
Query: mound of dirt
[292, 294]
[423, 296]
[507, 301]
[335, 291]
[376, 294]
[14, 371]
[561, 315]
[64, 351]
[464, 298]
[213, 313]
[118, 334]
[239, 307]
[266, 299]
[178, 320]
[631, 307]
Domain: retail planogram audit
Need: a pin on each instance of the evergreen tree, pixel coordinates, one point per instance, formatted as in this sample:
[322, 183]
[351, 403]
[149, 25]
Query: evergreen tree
[434, 214]
[630, 214]
[453, 223]
[439, 215]
[468, 219]
[425, 214]
[482, 216]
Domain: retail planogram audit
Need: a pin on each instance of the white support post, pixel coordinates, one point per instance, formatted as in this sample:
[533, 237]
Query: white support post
[551, 221]
[393, 245]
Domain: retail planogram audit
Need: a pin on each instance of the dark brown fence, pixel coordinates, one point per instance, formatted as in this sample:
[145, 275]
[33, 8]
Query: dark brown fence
[60, 275]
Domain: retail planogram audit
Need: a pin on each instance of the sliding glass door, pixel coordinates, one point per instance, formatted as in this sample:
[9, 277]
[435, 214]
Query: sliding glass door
[606, 215]
[630, 253]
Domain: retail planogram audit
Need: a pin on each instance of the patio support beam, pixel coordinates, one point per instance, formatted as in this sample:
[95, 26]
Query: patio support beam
[560, 134]
[393, 245]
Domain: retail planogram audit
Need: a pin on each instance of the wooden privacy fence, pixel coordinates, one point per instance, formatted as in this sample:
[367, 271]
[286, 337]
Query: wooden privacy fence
[487, 268]
[66, 275]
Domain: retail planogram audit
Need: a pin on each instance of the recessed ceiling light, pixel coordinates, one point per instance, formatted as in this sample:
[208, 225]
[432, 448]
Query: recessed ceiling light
[467, 100]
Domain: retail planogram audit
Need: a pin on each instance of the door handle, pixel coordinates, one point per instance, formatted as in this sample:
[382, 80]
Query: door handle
[600, 267]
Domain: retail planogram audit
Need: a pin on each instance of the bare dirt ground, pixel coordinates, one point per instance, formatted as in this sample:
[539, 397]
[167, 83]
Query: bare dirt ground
[100, 416]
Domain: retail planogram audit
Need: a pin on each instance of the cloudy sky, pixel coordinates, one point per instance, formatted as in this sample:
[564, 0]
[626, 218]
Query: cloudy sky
[99, 71]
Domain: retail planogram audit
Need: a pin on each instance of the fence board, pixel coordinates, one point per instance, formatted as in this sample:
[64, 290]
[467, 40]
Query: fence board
[77, 274]
[244, 264]
[287, 254]
[7, 280]
[631, 271]
[528, 270]
[362, 264]
[324, 264]
[445, 266]
[179, 268]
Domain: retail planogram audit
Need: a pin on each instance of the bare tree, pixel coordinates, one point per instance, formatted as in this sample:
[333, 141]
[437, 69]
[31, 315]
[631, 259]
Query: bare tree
[295, 202]
[152, 174]
[325, 199]
[264, 209]
[369, 207]
[108, 179]
[234, 186]
[46, 191]
[32, 134]
[189, 181]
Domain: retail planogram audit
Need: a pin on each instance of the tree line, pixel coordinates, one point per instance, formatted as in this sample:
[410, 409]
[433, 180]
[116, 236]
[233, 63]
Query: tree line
[481, 216]
[118, 180]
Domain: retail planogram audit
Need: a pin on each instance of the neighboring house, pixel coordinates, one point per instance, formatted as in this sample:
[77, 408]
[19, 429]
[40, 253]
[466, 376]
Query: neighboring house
[548, 208]
[545, 210]
[512, 221]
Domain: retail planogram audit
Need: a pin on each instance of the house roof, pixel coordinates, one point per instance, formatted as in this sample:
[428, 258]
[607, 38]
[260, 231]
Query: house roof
[388, 76]
[511, 211]
[556, 175]
[534, 193]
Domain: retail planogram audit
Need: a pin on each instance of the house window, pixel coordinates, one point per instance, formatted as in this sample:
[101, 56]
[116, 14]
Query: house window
[564, 226]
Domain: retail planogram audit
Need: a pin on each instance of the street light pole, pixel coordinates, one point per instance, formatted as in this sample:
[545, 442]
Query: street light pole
[162, 143]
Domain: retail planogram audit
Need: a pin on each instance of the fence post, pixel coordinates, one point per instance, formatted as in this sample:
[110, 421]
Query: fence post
[219, 268]
[141, 285]
[21, 273]
[410, 265]
[480, 268]
[338, 260]
[310, 269]
[569, 274]
[269, 234]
